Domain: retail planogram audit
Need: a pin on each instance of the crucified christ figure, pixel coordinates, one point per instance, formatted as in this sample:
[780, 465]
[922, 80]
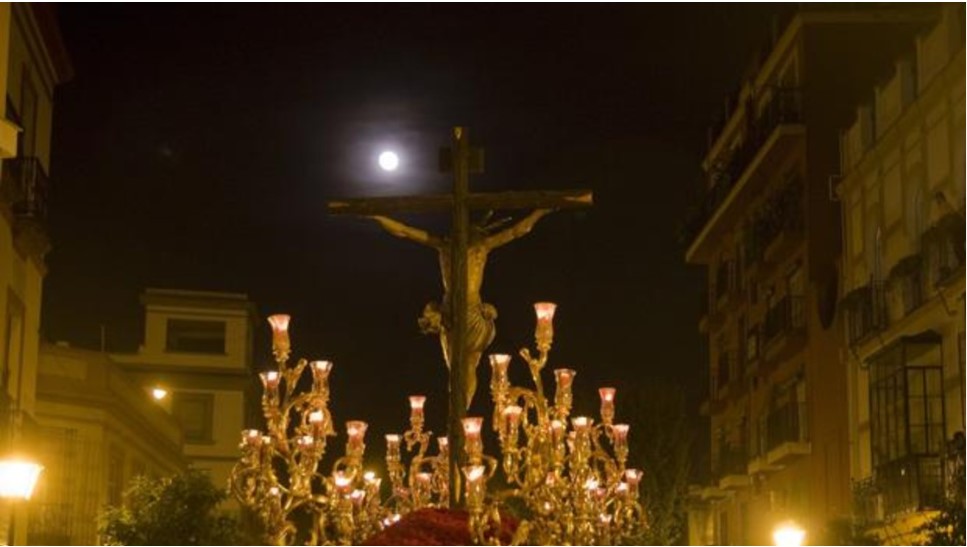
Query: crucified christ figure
[480, 315]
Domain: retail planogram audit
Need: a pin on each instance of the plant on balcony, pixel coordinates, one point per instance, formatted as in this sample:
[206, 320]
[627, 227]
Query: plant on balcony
[905, 282]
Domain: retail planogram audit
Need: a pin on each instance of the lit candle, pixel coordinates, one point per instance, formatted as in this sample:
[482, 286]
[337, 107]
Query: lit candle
[320, 374]
[392, 446]
[511, 417]
[607, 404]
[443, 444]
[306, 441]
[343, 481]
[317, 420]
[475, 484]
[357, 496]
[280, 334]
[545, 312]
[499, 363]
[557, 431]
[270, 380]
[619, 434]
[633, 477]
[356, 430]
[544, 333]
[416, 411]
[581, 424]
[471, 430]
[563, 378]
[250, 437]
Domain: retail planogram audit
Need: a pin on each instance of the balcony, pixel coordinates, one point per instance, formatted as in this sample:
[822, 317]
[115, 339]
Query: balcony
[786, 437]
[703, 309]
[723, 375]
[784, 328]
[943, 245]
[23, 188]
[866, 311]
[908, 484]
[736, 179]
[731, 468]
[906, 285]
[23, 185]
[751, 347]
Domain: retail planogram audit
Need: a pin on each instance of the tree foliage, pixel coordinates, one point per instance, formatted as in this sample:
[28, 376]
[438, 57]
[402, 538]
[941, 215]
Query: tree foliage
[178, 510]
[660, 443]
[947, 527]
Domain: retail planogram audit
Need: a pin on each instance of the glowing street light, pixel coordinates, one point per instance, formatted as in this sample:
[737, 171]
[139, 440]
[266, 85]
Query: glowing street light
[159, 393]
[788, 534]
[18, 478]
[389, 160]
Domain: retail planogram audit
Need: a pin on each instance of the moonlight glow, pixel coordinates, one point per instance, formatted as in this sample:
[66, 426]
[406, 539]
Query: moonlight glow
[389, 161]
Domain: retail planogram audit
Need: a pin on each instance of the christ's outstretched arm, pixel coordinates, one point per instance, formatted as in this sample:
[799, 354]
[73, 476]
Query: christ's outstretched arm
[517, 230]
[399, 229]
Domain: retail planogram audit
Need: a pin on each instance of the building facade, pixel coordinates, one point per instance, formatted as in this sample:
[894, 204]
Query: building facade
[96, 430]
[32, 63]
[902, 192]
[198, 347]
[769, 234]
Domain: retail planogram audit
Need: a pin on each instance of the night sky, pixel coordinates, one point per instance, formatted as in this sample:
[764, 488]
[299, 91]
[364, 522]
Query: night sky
[196, 146]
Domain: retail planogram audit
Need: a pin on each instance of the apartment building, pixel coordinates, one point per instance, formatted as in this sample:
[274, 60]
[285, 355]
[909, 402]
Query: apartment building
[769, 234]
[32, 63]
[902, 195]
[96, 430]
[198, 347]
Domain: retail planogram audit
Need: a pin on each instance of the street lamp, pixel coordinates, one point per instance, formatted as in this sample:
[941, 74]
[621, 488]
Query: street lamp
[18, 478]
[788, 534]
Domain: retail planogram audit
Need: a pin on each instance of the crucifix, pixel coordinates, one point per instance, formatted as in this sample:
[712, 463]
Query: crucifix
[463, 321]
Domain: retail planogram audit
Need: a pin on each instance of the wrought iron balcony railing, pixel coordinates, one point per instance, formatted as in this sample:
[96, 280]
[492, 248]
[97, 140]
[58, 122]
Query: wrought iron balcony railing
[732, 460]
[25, 181]
[910, 483]
[783, 107]
[906, 282]
[787, 423]
[943, 245]
[866, 311]
[783, 317]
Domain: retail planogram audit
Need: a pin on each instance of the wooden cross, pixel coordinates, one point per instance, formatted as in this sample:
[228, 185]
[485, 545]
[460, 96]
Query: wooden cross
[462, 160]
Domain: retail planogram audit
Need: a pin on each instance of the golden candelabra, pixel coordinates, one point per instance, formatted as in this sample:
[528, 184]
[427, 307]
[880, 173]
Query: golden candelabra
[573, 481]
[569, 473]
[278, 474]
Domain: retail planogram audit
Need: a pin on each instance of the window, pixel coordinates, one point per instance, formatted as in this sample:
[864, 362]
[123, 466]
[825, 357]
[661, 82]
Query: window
[28, 115]
[115, 476]
[11, 367]
[194, 412]
[908, 422]
[192, 336]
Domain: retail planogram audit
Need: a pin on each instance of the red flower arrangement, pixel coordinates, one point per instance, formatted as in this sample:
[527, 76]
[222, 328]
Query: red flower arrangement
[436, 527]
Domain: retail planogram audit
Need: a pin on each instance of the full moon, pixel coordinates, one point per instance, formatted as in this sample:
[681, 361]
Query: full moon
[389, 161]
